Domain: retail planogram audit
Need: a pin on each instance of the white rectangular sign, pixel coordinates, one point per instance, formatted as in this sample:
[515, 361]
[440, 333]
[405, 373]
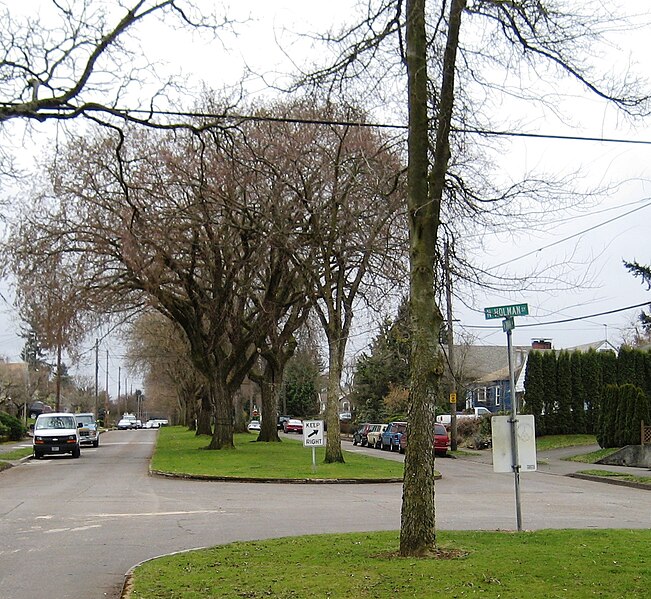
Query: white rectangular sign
[313, 433]
[525, 437]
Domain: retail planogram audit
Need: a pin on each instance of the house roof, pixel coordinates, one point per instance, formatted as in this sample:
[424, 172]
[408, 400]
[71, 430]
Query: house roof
[487, 363]
[484, 364]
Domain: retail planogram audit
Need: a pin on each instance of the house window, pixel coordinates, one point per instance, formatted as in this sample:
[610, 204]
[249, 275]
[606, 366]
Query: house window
[480, 395]
[498, 395]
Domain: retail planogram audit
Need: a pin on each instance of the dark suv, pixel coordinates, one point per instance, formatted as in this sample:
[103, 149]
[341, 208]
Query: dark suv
[360, 436]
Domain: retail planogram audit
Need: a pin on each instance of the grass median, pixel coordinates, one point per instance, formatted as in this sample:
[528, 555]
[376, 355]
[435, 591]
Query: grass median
[543, 564]
[181, 452]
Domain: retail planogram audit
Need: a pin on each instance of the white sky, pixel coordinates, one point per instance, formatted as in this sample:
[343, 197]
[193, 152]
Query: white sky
[596, 255]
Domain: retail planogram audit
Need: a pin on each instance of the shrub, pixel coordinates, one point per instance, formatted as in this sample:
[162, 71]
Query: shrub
[13, 427]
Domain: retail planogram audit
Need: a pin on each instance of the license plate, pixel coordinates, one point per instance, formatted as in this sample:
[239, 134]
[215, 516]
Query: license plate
[55, 449]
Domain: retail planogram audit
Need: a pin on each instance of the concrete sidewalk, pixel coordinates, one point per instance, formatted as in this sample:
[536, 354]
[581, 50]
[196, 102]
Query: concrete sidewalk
[554, 461]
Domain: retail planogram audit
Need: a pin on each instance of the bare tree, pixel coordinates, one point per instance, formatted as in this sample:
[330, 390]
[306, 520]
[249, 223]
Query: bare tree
[158, 349]
[348, 188]
[49, 299]
[542, 39]
[79, 65]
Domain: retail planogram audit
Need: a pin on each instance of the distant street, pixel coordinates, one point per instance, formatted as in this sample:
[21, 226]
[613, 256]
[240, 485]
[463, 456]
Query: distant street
[72, 528]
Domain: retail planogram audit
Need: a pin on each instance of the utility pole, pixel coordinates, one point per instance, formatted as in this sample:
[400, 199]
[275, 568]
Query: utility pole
[106, 398]
[119, 379]
[450, 340]
[96, 379]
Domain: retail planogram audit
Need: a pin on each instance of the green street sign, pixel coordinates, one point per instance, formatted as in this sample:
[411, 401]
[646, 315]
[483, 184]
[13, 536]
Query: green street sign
[506, 311]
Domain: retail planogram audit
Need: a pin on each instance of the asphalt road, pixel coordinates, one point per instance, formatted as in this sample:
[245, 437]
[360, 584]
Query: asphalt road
[72, 528]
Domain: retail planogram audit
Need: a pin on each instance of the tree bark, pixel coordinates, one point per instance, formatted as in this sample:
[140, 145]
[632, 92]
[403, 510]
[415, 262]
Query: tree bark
[222, 437]
[425, 191]
[204, 417]
[270, 383]
[333, 452]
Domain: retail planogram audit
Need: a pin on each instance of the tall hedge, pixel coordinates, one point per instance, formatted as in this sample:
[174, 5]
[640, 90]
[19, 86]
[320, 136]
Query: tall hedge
[593, 388]
[550, 418]
[624, 407]
[606, 426]
[534, 396]
[566, 392]
[577, 399]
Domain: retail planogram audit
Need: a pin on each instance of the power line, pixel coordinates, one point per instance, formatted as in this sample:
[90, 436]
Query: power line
[130, 113]
[545, 247]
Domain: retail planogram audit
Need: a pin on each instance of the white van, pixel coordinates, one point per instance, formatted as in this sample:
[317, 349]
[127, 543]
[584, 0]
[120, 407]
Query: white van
[56, 433]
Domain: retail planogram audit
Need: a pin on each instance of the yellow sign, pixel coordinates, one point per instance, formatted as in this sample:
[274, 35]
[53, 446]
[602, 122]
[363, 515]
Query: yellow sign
[453, 398]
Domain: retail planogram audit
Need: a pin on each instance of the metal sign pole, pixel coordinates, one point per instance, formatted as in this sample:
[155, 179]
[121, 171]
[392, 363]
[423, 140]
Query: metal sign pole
[313, 459]
[508, 324]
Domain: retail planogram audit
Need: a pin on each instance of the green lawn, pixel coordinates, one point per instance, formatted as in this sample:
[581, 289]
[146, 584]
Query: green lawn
[645, 480]
[558, 441]
[544, 564]
[180, 451]
[16, 454]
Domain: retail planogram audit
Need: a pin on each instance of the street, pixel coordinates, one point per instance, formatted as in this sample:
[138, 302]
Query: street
[72, 528]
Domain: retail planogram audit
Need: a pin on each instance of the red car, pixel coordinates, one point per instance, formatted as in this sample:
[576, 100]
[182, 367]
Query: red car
[293, 425]
[441, 441]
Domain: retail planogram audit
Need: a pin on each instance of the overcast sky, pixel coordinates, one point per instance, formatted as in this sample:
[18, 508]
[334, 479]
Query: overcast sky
[591, 242]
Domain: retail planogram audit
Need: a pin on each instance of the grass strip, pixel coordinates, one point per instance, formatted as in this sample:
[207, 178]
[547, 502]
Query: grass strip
[644, 480]
[594, 456]
[179, 451]
[536, 565]
[16, 454]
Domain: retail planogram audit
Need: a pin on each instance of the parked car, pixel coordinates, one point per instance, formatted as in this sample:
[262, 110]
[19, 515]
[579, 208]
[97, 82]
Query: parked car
[441, 440]
[374, 435]
[56, 433]
[360, 436]
[87, 428]
[128, 421]
[293, 425]
[254, 425]
[391, 436]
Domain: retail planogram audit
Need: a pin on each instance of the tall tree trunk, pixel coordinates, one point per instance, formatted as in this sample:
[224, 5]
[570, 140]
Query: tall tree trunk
[425, 191]
[270, 383]
[204, 418]
[333, 453]
[222, 437]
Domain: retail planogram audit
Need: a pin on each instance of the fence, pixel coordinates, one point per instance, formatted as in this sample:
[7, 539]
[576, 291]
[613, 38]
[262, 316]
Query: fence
[645, 434]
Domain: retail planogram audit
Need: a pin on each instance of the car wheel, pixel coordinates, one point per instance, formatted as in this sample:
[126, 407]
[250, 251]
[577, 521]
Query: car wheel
[38, 455]
[401, 449]
[76, 452]
[364, 443]
[354, 440]
[392, 447]
[96, 443]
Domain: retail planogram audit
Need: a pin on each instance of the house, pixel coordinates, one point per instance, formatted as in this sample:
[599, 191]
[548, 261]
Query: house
[484, 370]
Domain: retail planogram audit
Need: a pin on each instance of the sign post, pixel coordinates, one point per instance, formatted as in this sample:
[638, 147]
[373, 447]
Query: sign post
[313, 437]
[508, 313]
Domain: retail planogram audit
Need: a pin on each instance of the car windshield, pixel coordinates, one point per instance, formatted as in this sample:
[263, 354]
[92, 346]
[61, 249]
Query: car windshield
[55, 422]
[85, 419]
[440, 429]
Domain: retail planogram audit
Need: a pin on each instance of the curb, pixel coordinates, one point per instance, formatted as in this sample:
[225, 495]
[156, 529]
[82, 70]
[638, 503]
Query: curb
[289, 481]
[610, 481]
